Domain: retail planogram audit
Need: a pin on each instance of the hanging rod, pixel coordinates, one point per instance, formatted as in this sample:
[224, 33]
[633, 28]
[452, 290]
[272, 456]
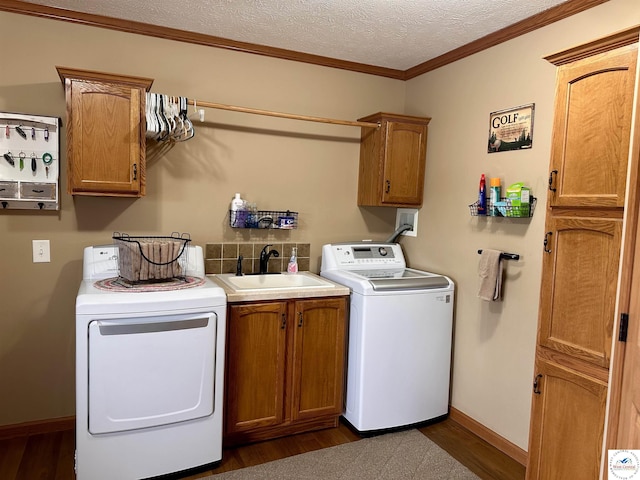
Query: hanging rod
[291, 116]
[507, 256]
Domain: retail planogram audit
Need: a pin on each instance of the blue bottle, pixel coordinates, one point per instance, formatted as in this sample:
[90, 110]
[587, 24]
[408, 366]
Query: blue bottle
[482, 196]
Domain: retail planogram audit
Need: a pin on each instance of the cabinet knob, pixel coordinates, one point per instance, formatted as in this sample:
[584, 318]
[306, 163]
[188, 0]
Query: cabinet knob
[299, 319]
[388, 189]
[135, 171]
[284, 322]
[551, 187]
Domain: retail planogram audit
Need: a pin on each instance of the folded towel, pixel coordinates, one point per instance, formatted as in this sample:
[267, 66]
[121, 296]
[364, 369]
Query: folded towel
[490, 272]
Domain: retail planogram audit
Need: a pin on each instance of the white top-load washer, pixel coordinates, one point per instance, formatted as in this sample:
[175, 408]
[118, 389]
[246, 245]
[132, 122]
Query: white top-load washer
[149, 371]
[400, 330]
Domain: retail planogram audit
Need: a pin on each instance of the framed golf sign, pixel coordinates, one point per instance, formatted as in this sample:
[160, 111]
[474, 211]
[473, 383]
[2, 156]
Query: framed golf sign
[511, 129]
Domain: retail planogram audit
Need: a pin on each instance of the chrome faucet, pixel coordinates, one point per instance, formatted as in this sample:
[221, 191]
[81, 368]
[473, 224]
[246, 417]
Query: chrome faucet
[265, 254]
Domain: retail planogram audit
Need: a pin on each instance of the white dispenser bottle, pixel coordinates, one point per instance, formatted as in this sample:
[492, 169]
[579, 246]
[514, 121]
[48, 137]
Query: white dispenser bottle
[237, 206]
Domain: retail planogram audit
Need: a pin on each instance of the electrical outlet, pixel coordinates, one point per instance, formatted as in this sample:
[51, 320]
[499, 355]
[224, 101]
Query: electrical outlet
[41, 251]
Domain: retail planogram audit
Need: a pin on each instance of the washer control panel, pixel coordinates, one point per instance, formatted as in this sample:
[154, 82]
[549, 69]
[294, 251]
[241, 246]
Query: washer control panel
[370, 255]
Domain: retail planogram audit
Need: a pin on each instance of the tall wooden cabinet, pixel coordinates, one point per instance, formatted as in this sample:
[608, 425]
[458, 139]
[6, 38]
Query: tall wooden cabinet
[285, 367]
[392, 160]
[105, 133]
[585, 208]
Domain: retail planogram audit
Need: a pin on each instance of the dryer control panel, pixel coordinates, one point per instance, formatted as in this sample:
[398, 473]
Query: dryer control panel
[339, 256]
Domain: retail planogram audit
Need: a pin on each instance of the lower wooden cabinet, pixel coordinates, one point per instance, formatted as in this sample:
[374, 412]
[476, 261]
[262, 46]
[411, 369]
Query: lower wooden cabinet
[566, 441]
[285, 367]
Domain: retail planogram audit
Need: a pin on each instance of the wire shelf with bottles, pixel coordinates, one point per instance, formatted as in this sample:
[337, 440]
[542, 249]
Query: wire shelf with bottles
[276, 219]
[504, 208]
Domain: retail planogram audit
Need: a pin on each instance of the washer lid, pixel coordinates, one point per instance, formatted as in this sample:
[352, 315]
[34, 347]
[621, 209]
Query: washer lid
[379, 281]
[409, 283]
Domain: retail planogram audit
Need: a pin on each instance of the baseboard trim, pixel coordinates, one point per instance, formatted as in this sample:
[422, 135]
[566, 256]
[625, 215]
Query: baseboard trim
[37, 427]
[68, 423]
[489, 436]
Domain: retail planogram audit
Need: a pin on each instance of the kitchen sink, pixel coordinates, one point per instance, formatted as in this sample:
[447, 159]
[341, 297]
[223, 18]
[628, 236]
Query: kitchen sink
[286, 281]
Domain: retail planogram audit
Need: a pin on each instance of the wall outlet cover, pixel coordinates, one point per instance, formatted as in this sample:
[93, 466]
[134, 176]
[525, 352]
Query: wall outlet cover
[408, 216]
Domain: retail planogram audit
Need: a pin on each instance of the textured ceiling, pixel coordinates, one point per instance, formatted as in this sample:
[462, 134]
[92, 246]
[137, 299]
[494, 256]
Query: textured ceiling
[397, 34]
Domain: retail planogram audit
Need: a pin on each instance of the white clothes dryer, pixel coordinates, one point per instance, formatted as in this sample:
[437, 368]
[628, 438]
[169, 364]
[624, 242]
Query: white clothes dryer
[400, 333]
[149, 371]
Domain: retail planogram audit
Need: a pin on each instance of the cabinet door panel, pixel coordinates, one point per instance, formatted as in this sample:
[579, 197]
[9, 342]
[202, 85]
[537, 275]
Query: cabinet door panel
[255, 366]
[579, 284]
[392, 160]
[318, 369]
[567, 426]
[404, 167]
[590, 144]
[106, 143]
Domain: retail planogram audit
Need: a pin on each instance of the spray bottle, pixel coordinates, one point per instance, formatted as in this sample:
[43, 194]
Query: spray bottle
[482, 196]
[494, 197]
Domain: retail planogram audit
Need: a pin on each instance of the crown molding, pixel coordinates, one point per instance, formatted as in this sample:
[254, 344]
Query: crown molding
[527, 25]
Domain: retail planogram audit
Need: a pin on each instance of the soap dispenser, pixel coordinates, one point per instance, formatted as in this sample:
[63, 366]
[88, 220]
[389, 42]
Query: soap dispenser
[237, 207]
[293, 261]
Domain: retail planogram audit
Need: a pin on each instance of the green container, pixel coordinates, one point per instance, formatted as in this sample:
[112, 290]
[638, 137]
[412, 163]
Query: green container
[518, 197]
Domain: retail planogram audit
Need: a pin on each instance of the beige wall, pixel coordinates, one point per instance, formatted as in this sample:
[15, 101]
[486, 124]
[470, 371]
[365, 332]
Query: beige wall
[494, 342]
[280, 164]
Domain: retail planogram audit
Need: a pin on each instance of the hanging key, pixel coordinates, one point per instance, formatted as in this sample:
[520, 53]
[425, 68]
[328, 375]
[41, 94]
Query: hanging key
[34, 165]
[9, 158]
[7, 132]
[47, 159]
[21, 132]
[33, 133]
[46, 134]
[22, 156]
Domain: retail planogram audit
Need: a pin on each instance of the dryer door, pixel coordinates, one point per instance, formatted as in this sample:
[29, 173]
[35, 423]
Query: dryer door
[150, 371]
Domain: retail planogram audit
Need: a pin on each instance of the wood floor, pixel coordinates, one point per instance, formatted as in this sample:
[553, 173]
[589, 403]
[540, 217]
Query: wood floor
[50, 456]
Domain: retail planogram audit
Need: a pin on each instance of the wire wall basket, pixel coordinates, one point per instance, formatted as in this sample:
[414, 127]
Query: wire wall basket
[152, 259]
[285, 220]
[505, 208]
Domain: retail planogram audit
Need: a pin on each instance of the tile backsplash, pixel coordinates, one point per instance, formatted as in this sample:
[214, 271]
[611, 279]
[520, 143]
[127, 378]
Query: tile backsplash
[223, 257]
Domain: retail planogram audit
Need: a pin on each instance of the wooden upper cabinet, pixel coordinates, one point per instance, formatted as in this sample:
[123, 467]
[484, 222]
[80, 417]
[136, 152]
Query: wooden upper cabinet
[392, 161]
[592, 125]
[105, 133]
[577, 299]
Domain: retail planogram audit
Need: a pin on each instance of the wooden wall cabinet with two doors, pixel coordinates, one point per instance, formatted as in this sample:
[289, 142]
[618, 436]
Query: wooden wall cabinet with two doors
[392, 160]
[285, 367]
[591, 143]
[106, 144]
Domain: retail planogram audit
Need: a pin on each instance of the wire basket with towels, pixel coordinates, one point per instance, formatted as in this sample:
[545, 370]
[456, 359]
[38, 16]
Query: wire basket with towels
[152, 259]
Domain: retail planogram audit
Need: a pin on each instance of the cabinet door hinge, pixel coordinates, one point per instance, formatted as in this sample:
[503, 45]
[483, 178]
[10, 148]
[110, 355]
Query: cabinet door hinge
[624, 325]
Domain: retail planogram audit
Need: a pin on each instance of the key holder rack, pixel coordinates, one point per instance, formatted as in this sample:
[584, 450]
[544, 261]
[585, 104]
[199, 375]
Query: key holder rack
[30, 163]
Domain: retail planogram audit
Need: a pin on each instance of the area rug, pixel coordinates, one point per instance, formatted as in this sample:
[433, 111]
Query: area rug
[406, 455]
